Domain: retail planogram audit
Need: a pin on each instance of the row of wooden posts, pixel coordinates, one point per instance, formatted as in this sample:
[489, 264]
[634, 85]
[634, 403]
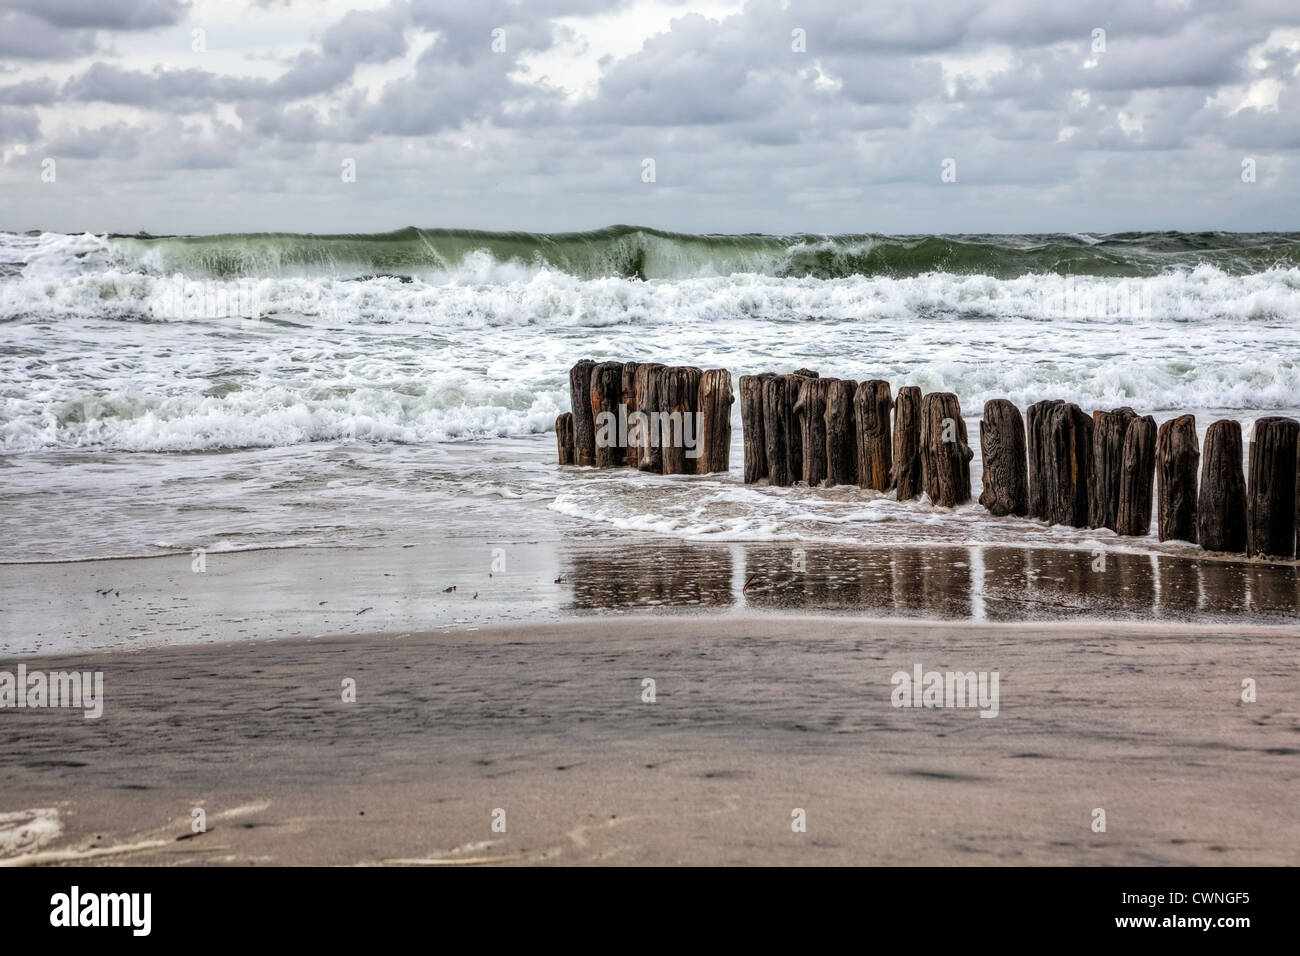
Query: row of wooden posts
[699, 446]
[1063, 466]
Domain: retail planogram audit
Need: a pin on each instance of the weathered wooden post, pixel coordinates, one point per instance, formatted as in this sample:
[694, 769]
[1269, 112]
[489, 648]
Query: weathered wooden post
[872, 404]
[1136, 474]
[810, 408]
[1060, 453]
[715, 422]
[776, 431]
[1178, 456]
[649, 375]
[751, 426]
[682, 397]
[564, 438]
[841, 434]
[907, 443]
[945, 453]
[631, 453]
[584, 428]
[606, 395]
[1108, 430]
[794, 430]
[1005, 466]
[1271, 496]
[1221, 503]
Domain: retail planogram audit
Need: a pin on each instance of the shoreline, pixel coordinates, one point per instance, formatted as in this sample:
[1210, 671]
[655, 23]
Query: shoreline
[733, 624]
[456, 583]
[753, 717]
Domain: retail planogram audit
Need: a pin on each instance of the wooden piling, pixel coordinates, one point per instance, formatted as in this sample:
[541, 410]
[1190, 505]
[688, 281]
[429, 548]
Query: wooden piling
[648, 401]
[872, 404]
[632, 451]
[1108, 430]
[715, 402]
[945, 452]
[810, 409]
[584, 429]
[682, 397]
[1221, 502]
[1271, 495]
[794, 431]
[606, 395]
[751, 426]
[907, 443]
[1136, 476]
[564, 438]
[841, 433]
[776, 431]
[1005, 463]
[1060, 459]
[1178, 456]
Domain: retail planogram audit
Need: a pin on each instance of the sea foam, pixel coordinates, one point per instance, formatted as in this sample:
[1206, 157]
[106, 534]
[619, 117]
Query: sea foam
[105, 351]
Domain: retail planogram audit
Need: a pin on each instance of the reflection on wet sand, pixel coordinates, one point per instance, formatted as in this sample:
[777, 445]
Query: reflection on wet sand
[993, 583]
[664, 575]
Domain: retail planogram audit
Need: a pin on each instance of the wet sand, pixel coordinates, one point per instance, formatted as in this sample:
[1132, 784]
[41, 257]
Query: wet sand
[755, 716]
[457, 583]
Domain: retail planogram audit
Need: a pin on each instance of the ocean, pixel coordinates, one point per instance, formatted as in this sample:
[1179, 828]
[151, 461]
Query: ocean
[240, 392]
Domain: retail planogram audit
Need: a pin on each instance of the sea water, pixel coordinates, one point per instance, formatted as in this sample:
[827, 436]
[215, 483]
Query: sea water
[268, 391]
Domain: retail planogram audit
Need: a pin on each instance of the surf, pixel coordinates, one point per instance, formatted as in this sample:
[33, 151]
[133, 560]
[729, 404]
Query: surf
[640, 252]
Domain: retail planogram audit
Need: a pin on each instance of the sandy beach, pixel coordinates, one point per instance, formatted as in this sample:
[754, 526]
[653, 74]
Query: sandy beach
[754, 716]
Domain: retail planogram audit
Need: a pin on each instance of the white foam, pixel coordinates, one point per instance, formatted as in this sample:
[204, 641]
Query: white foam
[122, 360]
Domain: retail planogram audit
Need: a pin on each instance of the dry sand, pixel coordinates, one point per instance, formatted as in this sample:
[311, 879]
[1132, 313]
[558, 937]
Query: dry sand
[755, 716]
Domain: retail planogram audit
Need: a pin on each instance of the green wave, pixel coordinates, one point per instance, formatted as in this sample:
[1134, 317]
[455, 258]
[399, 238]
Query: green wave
[638, 252]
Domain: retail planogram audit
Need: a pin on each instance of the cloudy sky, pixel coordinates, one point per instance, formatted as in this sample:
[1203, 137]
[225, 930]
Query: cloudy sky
[759, 115]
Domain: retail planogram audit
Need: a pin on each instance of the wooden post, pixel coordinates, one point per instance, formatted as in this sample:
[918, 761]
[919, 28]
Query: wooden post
[1221, 504]
[945, 453]
[631, 454]
[810, 407]
[872, 404]
[682, 397]
[715, 422]
[841, 433]
[1136, 475]
[1060, 453]
[751, 426]
[1108, 430]
[584, 429]
[776, 431]
[648, 402]
[606, 395]
[1002, 449]
[794, 431]
[1178, 455]
[1271, 497]
[805, 372]
[907, 443]
[564, 438]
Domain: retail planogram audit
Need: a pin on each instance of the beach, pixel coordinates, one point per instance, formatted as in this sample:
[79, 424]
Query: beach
[754, 717]
[348, 485]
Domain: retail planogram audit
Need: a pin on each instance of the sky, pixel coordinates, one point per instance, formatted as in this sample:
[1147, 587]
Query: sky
[727, 116]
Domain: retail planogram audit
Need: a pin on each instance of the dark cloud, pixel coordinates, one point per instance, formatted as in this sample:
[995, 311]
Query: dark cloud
[186, 90]
[26, 37]
[29, 93]
[104, 14]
